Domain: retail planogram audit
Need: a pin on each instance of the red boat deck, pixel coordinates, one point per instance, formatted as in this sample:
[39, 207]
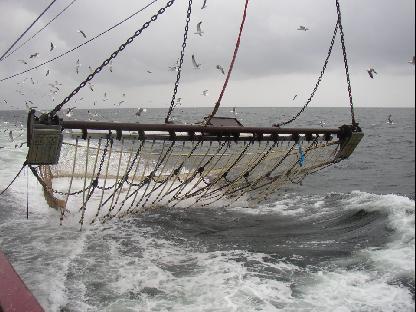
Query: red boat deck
[14, 295]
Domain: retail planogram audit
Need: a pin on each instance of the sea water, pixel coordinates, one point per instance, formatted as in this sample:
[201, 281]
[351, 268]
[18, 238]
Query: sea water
[343, 241]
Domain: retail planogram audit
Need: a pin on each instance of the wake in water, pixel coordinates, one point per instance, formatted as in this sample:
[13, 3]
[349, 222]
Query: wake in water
[351, 252]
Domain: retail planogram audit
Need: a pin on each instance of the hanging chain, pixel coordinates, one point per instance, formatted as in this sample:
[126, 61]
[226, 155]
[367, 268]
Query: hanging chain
[334, 36]
[347, 71]
[181, 60]
[112, 57]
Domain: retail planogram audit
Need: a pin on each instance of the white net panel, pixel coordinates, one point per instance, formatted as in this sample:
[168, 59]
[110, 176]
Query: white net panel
[103, 178]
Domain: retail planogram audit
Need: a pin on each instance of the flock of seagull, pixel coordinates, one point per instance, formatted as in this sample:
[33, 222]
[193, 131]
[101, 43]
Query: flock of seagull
[56, 86]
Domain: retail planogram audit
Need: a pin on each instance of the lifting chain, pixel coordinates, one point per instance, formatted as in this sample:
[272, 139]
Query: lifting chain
[344, 51]
[334, 36]
[53, 113]
[347, 71]
[178, 77]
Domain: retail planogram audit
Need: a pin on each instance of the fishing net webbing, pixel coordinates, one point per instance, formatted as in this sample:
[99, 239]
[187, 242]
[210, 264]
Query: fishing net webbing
[103, 177]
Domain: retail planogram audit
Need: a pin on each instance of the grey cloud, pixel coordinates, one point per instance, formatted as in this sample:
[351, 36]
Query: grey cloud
[379, 33]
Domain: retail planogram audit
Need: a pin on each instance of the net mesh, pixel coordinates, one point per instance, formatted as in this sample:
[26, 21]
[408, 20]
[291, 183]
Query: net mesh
[105, 178]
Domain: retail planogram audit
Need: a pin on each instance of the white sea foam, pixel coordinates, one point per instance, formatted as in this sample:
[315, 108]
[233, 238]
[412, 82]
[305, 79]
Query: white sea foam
[398, 257]
[347, 291]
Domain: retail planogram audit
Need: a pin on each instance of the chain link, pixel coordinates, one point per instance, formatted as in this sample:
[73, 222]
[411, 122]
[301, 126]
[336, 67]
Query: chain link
[347, 71]
[181, 60]
[334, 36]
[112, 57]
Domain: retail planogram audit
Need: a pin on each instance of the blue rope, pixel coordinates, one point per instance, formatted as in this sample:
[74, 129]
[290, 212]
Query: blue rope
[302, 155]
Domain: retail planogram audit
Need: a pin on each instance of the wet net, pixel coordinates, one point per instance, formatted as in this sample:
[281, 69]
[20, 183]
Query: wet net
[115, 177]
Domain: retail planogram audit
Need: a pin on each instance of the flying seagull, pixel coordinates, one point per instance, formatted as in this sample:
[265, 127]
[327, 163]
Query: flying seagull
[111, 67]
[205, 93]
[52, 47]
[140, 111]
[294, 98]
[199, 29]
[34, 55]
[194, 62]
[412, 61]
[69, 112]
[371, 72]
[77, 66]
[204, 5]
[47, 72]
[221, 69]
[82, 33]
[303, 28]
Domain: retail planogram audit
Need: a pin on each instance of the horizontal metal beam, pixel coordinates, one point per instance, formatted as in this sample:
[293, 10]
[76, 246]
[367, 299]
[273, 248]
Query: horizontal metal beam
[212, 130]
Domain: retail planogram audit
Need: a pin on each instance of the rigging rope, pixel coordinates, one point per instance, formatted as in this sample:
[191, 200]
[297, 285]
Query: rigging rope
[80, 45]
[24, 33]
[40, 30]
[178, 77]
[237, 46]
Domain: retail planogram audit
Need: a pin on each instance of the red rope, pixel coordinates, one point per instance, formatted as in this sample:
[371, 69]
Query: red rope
[230, 70]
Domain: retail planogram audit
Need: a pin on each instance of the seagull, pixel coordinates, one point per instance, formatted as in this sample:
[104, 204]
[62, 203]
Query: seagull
[19, 145]
[149, 72]
[69, 112]
[221, 69]
[91, 86]
[199, 29]
[173, 68]
[82, 33]
[389, 120]
[371, 72]
[111, 67]
[31, 79]
[179, 100]
[140, 111]
[29, 108]
[77, 66]
[205, 92]
[196, 65]
[53, 86]
[204, 5]
[47, 72]
[52, 47]
[303, 28]
[294, 98]
[34, 55]
[412, 61]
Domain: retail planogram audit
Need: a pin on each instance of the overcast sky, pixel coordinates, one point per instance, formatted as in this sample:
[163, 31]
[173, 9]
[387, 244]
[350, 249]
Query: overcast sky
[276, 61]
